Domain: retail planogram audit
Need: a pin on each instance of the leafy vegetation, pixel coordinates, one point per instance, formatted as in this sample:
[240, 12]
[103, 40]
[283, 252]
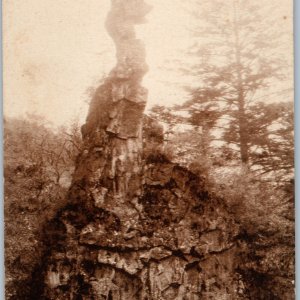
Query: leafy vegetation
[37, 166]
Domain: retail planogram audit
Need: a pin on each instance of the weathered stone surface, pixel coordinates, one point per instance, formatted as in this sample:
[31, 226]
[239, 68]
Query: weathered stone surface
[179, 244]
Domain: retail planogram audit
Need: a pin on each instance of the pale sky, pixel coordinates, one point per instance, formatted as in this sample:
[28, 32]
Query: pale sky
[54, 50]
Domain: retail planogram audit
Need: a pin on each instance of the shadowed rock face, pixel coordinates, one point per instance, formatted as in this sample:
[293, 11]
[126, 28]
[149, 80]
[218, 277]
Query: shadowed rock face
[134, 229]
[174, 241]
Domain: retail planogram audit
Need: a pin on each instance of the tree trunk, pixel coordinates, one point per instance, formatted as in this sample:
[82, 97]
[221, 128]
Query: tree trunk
[242, 119]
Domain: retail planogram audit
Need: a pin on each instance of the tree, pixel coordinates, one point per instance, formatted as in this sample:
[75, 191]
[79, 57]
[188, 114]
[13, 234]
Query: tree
[30, 143]
[236, 57]
[270, 139]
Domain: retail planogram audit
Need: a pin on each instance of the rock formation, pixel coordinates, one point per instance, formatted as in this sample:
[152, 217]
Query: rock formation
[135, 227]
[134, 230]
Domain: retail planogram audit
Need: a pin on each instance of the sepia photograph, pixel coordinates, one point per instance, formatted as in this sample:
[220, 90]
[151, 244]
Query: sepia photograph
[148, 150]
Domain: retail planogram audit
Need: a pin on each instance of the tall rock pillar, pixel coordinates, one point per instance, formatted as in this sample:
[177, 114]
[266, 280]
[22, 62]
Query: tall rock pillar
[110, 164]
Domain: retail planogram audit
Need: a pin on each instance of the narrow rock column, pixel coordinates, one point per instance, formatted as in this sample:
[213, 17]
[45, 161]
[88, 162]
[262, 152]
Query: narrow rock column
[110, 164]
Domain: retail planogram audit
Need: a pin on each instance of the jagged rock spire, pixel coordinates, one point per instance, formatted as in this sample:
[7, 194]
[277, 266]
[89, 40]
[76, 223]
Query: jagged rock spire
[131, 66]
[112, 133]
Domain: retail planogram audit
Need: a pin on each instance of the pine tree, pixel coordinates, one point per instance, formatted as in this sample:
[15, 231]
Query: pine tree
[237, 58]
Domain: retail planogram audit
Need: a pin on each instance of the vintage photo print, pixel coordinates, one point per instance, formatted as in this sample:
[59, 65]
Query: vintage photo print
[148, 150]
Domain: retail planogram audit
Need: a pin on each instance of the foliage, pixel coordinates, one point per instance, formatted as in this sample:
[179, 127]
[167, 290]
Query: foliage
[36, 162]
[266, 217]
[30, 143]
[270, 133]
[250, 199]
[236, 57]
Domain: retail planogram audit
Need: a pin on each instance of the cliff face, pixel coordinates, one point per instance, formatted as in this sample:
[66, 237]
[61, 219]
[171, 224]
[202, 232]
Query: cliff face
[134, 228]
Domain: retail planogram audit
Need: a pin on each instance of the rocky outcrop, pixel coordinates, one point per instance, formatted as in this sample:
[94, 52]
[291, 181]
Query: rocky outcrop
[111, 160]
[174, 241]
[135, 227]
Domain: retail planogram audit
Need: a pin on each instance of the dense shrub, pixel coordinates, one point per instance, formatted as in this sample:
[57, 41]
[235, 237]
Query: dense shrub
[37, 168]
